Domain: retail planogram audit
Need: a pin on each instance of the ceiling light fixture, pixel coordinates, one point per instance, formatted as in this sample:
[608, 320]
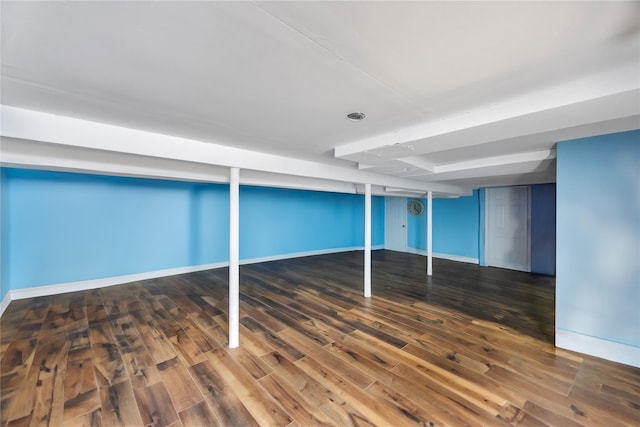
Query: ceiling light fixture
[356, 116]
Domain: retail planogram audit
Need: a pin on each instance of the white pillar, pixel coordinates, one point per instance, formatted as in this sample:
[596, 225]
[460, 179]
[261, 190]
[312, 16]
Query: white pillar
[429, 234]
[234, 257]
[367, 240]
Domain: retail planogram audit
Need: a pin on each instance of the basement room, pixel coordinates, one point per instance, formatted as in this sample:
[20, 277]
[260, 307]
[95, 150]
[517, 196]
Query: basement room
[284, 213]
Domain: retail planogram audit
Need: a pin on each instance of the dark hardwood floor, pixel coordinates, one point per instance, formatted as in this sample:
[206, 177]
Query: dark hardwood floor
[468, 346]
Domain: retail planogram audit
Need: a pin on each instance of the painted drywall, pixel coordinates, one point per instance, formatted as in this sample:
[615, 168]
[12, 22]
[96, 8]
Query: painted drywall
[4, 235]
[455, 227]
[280, 221]
[68, 227]
[598, 230]
[543, 229]
[481, 225]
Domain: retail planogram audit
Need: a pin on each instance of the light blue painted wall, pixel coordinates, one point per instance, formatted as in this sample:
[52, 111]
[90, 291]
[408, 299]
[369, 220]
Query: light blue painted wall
[455, 226]
[481, 225]
[280, 221]
[4, 234]
[543, 229]
[598, 235]
[417, 228]
[69, 227]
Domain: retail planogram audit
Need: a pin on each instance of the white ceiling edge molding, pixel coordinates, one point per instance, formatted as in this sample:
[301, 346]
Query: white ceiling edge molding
[470, 165]
[522, 168]
[400, 192]
[617, 81]
[267, 179]
[29, 125]
[424, 165]
[547, 176]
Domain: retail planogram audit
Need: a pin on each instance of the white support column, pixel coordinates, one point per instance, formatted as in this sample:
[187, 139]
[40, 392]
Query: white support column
[367, 240]
[234, 257]
[429, 234]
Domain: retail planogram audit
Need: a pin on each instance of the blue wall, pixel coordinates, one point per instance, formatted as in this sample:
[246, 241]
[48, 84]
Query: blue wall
[543, 229]
[598, 249]
[67, 227]
[481, 231]
[455, 227]
[4, 234]
[279, 221]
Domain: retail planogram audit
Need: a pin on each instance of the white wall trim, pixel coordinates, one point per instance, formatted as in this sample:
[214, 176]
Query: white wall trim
[440, 255]
[84, 285]
[306, 253]
[598, 347]
[5, 302]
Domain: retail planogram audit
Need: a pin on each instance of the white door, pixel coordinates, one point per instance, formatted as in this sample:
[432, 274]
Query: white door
[507, 233]
[395, 223]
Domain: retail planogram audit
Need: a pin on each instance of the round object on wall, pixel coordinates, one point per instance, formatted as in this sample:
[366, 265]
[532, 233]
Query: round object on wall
[415, 207]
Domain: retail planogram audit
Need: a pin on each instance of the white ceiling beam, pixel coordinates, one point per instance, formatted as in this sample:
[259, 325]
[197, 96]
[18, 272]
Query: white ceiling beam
[52, 129]
[402, 190]
[522, 168]
[620, 82]
[363, 166]
[508, 159]
[418, 162]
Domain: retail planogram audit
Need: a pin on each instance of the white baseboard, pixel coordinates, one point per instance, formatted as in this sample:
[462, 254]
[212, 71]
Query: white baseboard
[5, 302]
[450, 257]
[598, 347]
[306, 253]
[84, 285]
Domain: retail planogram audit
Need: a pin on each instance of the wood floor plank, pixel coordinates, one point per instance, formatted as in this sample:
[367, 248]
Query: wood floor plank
[81, 395]
[48, 364]
[431, 414]
[249, 362]
[108, 365]
[306, 386]
[346, 369]
[378, 412]
[91, 419]
[264, 408]
[224, 403]
[141, 368]
[119, 406]
[158, 345]
[48, 407]
[155, 406]
[303, 413]
[271, 339]
[184, 392]
[16, 362]
[467, 346]
[198, 415]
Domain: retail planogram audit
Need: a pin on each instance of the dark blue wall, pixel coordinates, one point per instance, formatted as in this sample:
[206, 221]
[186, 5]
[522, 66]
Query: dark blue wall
[543, 229]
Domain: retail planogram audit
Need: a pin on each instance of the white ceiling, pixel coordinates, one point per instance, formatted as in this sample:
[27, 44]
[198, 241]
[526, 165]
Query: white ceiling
[462, 93]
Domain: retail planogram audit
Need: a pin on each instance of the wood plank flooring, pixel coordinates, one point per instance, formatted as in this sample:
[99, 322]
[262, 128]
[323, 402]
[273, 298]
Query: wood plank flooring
[469, 346]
